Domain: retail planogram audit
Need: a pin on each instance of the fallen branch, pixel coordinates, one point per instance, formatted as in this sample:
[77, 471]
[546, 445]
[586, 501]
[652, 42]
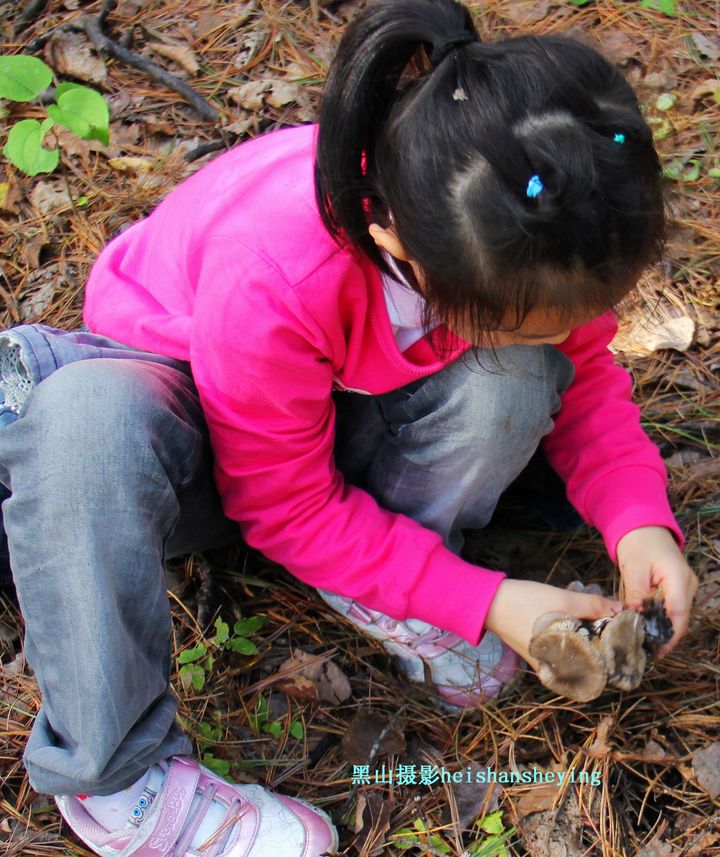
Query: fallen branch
[104, 44]
[28, 15]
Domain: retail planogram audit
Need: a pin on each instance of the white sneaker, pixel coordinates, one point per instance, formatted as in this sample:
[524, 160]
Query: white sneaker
[255, 822]
[464, 676]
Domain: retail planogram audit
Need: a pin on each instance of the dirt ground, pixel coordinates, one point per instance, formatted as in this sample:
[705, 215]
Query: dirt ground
[653, 752]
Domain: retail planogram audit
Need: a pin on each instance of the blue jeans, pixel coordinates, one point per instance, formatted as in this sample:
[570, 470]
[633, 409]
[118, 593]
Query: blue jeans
[108, 471]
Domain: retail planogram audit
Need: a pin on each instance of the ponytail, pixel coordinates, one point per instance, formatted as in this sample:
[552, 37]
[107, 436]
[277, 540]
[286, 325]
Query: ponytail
[360, 92]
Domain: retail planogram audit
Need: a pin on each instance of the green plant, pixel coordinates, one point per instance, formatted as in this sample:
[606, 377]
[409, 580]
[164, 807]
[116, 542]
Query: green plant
[196, 663]
[490, 845]
[81, 110]
[667, 7]
[207, 735]
[260, 721]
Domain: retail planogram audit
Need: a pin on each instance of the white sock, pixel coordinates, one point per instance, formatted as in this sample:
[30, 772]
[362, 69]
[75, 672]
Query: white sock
[113, 812]
[128, 808]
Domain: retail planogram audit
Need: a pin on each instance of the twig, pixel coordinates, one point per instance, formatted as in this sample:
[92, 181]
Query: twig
[213, 146]
[108, 6]
[104, 44]
[32, 10]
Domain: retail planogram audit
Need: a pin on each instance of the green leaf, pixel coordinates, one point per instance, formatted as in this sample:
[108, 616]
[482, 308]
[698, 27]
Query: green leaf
[84, 112]
[46, 125]
[579, 2]
[262, 708]
[667, 7]
[274, 728]
[24, 149]
[209, 732]
[665, 101]
[661, 128]
[82, 200]
[241, 645]
[190, 655]
[492, 823]
[223, 631]
[673, 169]
[296, 730]
[219, 766]
[66, 87]
[23, 78]
[192, 674]
[691, 173]
[248, 626]
[714, 173]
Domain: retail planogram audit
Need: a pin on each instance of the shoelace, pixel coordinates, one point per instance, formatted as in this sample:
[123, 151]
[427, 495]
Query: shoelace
[211, 846]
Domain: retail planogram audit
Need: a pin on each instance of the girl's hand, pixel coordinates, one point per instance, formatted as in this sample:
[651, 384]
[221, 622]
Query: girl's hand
[518, 603]
[649, 557]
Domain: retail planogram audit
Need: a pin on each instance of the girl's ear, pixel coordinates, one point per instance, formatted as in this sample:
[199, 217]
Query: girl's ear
[386, 239]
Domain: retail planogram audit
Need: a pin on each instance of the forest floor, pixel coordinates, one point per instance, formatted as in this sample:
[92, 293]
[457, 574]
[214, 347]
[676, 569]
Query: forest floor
[654, 752]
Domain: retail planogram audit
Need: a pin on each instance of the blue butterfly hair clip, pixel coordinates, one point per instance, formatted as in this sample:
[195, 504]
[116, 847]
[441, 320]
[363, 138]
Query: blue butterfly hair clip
[535, 186]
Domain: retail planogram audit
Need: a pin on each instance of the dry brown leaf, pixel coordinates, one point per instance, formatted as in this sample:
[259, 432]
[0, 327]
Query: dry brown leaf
[372, 822]
[473, 797]
[656, 848]
[618, 46]
[207, 22]
[159, 126]
[525, 12]
[242, 125]
[182, 55]
[708, 47]
[48, 196]
[329, 682]
[31, 248]
[600, 747]
[660, 80]
[653, 751]
[9, 197]
[538, 799]
[250, 95]
[707, 87]
[32, 308]
[69, 54]
[365, 732]
[128, 162]
[706, 765]
[647, 335]
[282, 93]
[128, 8]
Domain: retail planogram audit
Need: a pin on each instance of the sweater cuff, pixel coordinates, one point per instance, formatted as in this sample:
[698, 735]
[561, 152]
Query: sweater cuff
[453, 594]
[629, 498]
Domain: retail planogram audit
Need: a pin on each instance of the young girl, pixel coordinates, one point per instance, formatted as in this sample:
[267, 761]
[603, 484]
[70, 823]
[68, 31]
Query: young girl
[362, 332]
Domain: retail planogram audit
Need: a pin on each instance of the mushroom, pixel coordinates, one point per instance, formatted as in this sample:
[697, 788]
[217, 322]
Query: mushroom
[569, 663]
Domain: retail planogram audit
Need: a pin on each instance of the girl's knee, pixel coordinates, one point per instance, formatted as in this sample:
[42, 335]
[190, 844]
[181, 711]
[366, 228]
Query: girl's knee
[89, 395]
[516, 389]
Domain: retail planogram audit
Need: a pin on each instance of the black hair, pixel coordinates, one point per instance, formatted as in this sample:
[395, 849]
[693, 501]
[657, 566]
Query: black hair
[426, 129]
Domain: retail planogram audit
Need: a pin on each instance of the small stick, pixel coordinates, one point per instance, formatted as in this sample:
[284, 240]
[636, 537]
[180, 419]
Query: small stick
[212, 146]
[103, 44]
[28, 15]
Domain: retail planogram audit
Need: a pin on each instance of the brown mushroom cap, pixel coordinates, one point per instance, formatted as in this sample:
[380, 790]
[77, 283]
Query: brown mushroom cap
[621, 645]
[569, 663]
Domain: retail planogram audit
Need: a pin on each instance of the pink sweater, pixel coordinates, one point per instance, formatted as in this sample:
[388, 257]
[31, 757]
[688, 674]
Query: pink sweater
[235, 273]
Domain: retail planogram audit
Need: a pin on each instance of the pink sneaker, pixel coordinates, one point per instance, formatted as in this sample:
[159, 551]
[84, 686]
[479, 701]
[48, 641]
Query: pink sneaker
[256, 823]
[464, 676]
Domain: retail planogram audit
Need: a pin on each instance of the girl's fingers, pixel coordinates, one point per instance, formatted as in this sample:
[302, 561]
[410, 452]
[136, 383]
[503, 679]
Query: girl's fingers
[591, 606]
